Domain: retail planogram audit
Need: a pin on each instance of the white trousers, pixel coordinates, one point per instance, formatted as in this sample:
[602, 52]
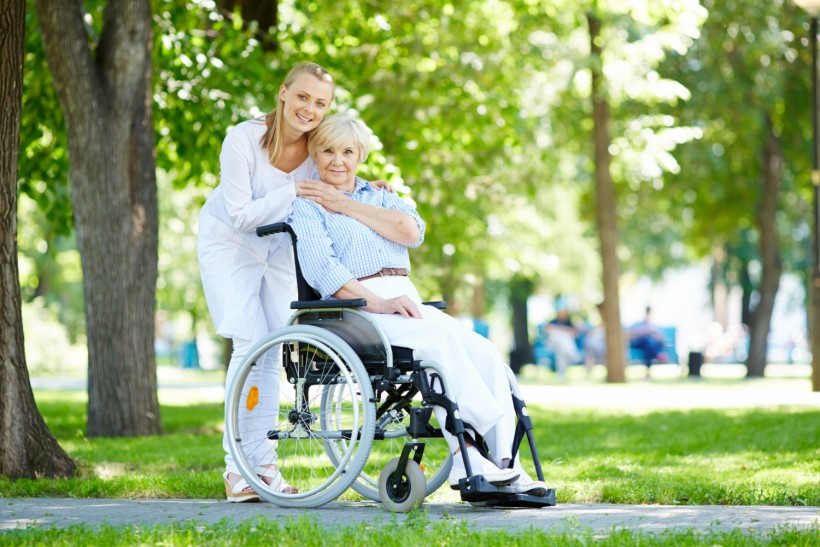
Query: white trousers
[255, 421]
[476, 372]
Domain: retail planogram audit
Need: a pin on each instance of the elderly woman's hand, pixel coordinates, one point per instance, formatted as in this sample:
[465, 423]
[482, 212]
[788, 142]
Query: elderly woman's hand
[402, 305]
[324, 194]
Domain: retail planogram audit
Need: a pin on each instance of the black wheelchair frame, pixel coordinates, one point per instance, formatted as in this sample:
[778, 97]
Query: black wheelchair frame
[396, 378]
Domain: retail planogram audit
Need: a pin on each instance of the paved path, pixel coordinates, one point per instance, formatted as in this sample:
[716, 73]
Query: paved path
[59, 512]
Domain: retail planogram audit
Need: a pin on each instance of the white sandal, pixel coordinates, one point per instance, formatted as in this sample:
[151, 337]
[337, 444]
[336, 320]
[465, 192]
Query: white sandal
[241, 491]
[277, 483]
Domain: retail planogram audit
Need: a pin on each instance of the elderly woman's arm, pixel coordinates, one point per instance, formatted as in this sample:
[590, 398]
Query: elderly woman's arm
[402, 305]
[396, 226]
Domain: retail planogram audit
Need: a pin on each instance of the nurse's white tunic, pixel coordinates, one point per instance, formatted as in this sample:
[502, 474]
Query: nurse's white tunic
[233, 261]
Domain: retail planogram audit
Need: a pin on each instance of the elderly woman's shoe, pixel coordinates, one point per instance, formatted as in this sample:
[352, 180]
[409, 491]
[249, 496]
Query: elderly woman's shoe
[480, 465]
[239, 491]
[272, 477]
[525, 485]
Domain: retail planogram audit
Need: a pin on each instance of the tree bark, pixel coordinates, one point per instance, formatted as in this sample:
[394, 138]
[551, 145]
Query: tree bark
[605, 213]
[772, 266]
[27, 447]
[105, 93]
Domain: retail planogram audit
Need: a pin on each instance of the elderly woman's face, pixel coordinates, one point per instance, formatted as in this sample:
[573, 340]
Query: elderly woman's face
[337, 165]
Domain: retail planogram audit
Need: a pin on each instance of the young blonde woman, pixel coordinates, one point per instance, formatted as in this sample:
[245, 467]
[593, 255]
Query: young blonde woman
[248, 281]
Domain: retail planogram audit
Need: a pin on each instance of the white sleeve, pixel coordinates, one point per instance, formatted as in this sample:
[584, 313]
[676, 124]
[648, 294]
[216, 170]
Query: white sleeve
[237, 165]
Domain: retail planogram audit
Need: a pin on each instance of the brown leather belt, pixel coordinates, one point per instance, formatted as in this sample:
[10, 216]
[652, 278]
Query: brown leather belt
[387, 272]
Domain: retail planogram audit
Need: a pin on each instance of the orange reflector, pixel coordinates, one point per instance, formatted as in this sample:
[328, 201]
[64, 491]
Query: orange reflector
[253, 398]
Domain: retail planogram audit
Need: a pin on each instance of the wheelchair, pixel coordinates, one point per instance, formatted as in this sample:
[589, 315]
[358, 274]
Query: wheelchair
[352, 411]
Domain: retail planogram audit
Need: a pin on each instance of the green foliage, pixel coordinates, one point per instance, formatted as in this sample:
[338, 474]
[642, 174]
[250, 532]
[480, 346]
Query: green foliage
[50, 270]
[43, 160]
[751, 61]
[50, 351]
[179, 290]
[209, 74]
[481, 109]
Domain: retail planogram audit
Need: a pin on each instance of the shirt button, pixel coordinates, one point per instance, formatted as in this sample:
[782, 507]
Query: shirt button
[289, 177]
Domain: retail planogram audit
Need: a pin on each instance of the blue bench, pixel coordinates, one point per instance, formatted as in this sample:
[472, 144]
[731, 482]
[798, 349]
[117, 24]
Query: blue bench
[669, 347]
[543, 355]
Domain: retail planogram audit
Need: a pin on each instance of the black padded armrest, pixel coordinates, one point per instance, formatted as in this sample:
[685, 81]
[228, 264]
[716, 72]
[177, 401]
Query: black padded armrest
[324, 304]
[440, 304]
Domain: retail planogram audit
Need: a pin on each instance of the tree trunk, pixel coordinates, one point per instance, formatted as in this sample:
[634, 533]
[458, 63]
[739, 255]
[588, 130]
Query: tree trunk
[521, 354]
[27, 447]
[772, 174]
[747, 292]
[106, 99]
[605, 213]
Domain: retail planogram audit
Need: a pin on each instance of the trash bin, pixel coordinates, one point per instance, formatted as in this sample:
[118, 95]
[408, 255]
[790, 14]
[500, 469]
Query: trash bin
[519, 358]
[695, 362]
[190, 355]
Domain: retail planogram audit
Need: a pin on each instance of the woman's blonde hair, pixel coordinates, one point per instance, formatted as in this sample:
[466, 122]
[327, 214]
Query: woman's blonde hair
[274, 120]
[338, 130]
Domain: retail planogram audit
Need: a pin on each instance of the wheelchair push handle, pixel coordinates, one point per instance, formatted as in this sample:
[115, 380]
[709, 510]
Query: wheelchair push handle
[304, 290]
[308, 297]
[276, 228]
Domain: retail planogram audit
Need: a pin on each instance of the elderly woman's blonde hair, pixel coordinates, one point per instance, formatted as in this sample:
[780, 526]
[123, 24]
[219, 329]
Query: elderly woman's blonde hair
[339, 130]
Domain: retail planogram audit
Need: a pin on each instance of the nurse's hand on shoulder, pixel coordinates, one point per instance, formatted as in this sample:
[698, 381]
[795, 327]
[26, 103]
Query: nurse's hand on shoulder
[382, 184]
[324, 194]
[402, 305]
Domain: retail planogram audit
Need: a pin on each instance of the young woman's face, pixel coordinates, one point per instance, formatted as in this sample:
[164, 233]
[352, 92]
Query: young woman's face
[337, 165]
[305, 102]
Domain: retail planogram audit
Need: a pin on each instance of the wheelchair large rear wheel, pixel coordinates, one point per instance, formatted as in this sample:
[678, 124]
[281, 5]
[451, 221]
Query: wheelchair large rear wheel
[274, 416]
[392, 422]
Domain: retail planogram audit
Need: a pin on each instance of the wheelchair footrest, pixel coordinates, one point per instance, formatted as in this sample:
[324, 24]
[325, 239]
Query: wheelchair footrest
[477, 491]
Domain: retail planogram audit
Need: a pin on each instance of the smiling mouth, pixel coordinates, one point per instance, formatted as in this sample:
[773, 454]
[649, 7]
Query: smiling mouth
[303, 119]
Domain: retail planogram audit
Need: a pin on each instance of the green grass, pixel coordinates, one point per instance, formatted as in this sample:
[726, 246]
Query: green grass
[754, 456]
[767, 456]
[417, 530]
[733, 457]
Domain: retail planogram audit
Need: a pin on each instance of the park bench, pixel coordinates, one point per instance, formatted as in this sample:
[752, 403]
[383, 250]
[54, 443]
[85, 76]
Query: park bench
[636, 355]
[544, 356]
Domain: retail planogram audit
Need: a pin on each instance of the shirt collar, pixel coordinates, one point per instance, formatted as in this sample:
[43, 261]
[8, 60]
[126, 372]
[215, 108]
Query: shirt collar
[362, 185]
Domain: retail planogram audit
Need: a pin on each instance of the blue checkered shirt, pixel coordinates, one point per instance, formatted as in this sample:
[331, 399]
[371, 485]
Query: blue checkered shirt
[334, 248]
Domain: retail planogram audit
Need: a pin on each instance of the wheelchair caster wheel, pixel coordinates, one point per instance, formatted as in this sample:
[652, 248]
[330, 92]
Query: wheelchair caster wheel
[401, 492]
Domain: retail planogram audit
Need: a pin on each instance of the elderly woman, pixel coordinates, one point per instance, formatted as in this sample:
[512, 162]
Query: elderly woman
[342, 257]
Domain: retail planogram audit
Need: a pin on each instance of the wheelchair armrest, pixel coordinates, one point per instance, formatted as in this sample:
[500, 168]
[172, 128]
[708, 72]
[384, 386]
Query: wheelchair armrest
[440, 304]
[324, 304]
